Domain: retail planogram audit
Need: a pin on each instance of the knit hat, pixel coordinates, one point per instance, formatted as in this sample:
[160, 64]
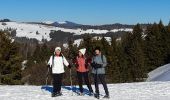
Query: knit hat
[57, 48]
[83, 51]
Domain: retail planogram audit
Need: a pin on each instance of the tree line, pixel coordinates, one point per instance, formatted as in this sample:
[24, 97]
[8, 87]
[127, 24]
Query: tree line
[130, 57]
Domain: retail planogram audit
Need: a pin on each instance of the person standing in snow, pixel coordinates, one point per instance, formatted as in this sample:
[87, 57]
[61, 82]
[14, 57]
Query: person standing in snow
[82, 67]
[98, 64]
[56, 63]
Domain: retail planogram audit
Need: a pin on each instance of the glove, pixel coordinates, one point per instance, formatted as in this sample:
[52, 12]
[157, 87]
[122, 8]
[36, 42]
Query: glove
[93, 64]
[48, 66]
[69, 66]
[96, 66]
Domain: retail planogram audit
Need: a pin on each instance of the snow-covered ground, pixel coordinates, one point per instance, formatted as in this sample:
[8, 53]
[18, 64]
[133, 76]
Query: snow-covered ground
[29, 30]
[126, 91]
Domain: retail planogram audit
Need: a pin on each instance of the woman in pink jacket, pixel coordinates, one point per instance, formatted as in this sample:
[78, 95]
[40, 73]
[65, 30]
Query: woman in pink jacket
[82, 67]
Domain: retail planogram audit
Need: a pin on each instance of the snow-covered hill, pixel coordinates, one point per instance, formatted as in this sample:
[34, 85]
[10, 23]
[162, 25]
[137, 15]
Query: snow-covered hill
[66, 24]
[126, 91]
[78, 41]
[162, 73]
[40, 31]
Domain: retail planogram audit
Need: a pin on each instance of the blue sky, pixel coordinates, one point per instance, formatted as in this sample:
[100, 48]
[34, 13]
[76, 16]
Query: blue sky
[87, 11]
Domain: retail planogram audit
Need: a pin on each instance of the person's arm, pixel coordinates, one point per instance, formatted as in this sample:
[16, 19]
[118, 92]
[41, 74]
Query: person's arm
[89, 61]
[65, 62]
[50, 61]
[104, 61]
[93, 64]
[92, 60]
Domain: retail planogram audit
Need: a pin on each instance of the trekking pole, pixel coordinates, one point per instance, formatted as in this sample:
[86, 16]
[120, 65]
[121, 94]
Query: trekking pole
[71, 82]
[46, 81]
[47, 76]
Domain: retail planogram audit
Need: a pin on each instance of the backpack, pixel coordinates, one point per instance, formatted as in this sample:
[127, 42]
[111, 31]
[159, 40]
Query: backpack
[53, 59]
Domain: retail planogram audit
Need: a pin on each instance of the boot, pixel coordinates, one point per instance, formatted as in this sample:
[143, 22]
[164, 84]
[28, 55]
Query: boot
[97, 96]
[106, 97]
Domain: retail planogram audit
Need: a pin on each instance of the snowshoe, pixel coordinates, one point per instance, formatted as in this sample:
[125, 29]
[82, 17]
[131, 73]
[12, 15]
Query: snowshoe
[56, 94]
[91, 94]
[80, 94]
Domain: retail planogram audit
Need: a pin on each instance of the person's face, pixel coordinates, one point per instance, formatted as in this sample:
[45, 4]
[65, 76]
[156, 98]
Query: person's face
[57, 52]
[97, 52]
[80, 54]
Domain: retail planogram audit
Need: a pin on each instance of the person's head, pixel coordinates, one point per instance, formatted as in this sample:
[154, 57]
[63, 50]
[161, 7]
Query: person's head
[82, 52]
[57, 51]
[97, 50]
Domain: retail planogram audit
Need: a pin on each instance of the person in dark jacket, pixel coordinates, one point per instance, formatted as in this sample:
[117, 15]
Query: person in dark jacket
[98, 64]
[82, 67]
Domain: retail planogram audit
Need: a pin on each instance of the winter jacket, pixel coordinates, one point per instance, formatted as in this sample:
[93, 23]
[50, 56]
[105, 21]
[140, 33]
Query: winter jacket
[99, 60]
[82, 64]
[58, 64]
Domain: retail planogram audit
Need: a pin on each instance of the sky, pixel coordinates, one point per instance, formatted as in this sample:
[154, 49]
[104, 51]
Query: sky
[91, 12]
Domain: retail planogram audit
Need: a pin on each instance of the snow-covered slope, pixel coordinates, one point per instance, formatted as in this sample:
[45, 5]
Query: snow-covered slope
[127, 91]
[162, 73]
[48, 22]
[29, 30]
[78, 41]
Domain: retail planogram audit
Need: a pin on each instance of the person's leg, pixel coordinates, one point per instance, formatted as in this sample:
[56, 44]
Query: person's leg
[54, 83]
[102, 79]
[57, 83]
[86, 79]
[96, 84]
[60, 78]
[80, 81]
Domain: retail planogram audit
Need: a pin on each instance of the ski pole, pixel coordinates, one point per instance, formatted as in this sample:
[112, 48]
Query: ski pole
[71, 81]
[47, 75]
[46, 82]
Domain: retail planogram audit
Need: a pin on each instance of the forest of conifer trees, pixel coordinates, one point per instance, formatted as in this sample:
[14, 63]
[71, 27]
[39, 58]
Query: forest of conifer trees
[129, 58]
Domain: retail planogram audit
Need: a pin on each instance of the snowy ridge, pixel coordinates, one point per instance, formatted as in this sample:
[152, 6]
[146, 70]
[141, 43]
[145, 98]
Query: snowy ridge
[78, 41]
[29, 30]
[158, 72]
[62, 22]
[126, 91]
[48, 22]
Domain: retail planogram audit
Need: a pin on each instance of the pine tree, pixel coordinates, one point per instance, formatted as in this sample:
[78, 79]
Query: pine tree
[37, 54]
[105, 46]
[135, 55]
[153, 47]
[88, 44]
[122, 64]
[10, 61]
[45, 53]
[114, 68]
[167, 38]
[72, 49]
[163, 41]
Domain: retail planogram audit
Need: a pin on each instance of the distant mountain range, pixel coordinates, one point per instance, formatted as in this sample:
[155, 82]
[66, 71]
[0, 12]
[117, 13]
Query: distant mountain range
[59, 31]
[73, 25]
[66, 24]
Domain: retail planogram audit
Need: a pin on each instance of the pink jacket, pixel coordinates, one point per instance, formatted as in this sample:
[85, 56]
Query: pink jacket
[82, 64]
